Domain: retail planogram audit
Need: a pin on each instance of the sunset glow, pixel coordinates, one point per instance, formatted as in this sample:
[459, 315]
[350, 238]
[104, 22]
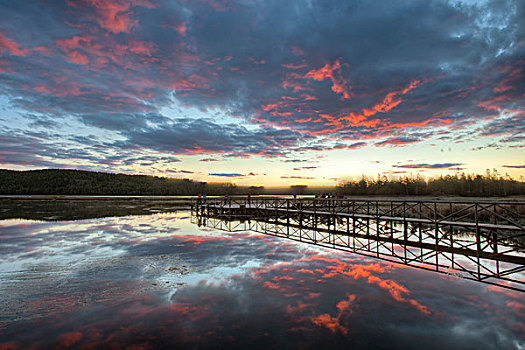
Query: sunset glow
[264, 93]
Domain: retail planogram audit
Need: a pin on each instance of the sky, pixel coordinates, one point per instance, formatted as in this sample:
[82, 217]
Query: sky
[263, 92]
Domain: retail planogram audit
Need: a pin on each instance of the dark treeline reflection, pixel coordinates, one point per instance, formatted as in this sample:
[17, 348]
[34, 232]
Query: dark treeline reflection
[77, 209]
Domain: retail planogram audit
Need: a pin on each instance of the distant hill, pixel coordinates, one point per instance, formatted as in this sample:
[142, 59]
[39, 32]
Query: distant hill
[77, 182]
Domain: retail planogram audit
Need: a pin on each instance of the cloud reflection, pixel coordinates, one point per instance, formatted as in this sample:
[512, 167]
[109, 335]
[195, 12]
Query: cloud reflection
[158, 281]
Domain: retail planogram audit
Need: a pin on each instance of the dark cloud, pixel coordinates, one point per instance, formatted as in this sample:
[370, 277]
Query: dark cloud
[305, 168]
[234, 174]
[33, 149]
[311, 75]
[452, 166]
[295, 160]
[512, 127]
[227, 174]
[398, 142]
[204, 136]
[53, 150]
[328, 146]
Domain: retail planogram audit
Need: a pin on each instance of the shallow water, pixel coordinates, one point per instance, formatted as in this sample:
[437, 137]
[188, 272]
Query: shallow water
[157, 281]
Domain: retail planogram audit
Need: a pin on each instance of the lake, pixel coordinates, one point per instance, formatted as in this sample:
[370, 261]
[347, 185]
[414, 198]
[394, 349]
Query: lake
[162, 281]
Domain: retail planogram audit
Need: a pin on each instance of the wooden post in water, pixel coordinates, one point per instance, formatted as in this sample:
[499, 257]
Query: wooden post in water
[287, 217]
[478, 238]
[495, 239]
[405, 228]
[436, 233]
[377, 227]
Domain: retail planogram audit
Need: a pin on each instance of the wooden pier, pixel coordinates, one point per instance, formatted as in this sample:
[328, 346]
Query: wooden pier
[479, 240]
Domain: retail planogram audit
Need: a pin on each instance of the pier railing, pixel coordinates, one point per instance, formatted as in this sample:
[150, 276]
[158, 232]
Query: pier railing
[480, 240]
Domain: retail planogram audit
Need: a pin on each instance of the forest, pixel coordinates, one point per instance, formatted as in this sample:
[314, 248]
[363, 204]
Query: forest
[489, 185]
[78, 182]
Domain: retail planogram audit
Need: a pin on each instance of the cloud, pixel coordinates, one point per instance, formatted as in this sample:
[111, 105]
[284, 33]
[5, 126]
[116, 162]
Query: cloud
[234, 174]
[204, 137]
[177, 171]
[334, 73]
[397, 142]
[332, 323]
[227, 174]
[220, 288]
[361, 73]
[514, 166]
[9, 45]
[295, 160]
[112, 15]
[298, 177]
[305, 168]
[430, 166]
[53, 150]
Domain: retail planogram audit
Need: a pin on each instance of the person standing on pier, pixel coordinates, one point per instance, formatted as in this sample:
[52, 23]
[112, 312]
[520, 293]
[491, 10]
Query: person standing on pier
[204, 198]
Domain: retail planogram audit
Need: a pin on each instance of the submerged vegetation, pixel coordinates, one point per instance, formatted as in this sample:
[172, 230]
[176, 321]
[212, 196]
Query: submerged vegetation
[77, 182]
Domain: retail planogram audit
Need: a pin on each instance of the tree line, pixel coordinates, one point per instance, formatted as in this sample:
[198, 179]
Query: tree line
[78, 182]
[489, 185]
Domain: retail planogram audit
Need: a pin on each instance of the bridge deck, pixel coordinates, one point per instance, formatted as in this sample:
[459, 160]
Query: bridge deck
[408, 219]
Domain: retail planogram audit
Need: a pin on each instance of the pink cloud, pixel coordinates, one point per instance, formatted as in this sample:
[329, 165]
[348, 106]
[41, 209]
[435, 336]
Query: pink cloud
[332, 323]
[14, 48]
[113, 15]
[67, 340]
[334, 73]
[181, 28]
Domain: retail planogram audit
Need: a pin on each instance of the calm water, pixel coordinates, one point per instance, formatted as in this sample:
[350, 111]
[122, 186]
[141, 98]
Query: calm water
[159, 281]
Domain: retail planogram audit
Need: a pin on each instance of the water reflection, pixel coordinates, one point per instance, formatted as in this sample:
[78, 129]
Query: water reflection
[53, 208]
[456, 257]
[158, 281]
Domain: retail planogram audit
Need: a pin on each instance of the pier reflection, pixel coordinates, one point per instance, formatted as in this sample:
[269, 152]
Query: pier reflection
[479, 241]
